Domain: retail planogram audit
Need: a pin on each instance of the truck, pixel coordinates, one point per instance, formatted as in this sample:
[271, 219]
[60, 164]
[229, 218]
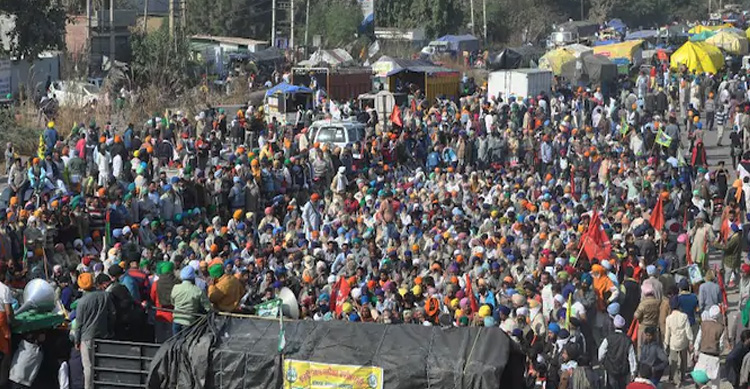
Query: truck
[582, 31]
[339, 84]
[519, 82]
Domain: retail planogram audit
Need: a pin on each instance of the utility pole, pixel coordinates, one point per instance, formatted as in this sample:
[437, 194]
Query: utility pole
[171, 18]
[484, 19]
[273, 23]
[183, 16]
[111, 32]
[145, 16]
[582, 18]
[471, 3]
[291, 31]
[88, 33]
[307, 26]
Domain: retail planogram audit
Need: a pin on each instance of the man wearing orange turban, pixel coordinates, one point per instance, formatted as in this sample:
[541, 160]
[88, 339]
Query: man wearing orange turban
[95, 315]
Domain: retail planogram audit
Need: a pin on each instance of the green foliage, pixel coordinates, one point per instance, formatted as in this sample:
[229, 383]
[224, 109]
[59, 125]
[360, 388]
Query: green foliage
[39, 26]
[337, 21]
[160, 60]
[238, 18]
[438, 17]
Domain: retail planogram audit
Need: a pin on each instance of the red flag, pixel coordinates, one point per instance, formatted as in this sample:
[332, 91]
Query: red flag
[472, 298]
[396, 116]
[342, 293]
[722, 288]
[633, 331]
[657, 215]
[595, 240]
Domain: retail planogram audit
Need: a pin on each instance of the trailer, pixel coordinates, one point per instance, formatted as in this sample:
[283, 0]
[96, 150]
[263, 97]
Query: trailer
[519, 82]
[339, 84]
[120, 365]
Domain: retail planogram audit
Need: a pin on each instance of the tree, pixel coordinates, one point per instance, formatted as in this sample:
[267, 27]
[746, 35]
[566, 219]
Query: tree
[337, 21]
[601, 9]
[160, 60]
[39, 25]
[238, 18]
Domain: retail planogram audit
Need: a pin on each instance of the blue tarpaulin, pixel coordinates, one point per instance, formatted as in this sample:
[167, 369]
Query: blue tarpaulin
[288, 89]
[642, 34]
[604, 43]
[617, 25]
[461, 42]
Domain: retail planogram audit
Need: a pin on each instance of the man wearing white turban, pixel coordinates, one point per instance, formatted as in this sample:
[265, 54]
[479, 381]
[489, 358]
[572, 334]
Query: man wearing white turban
[709, 343]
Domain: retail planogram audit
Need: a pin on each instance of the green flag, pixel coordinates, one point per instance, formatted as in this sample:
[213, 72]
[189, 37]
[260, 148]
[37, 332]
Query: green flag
[624, 128]
[282, 337]
[271, 308]
[663, 139]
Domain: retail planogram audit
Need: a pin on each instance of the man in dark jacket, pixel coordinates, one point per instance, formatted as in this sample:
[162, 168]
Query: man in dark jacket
[617, 355]
[653, 354]
[735, 357]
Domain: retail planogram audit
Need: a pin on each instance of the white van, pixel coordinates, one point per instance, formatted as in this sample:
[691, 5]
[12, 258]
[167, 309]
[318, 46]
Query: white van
[338, 133]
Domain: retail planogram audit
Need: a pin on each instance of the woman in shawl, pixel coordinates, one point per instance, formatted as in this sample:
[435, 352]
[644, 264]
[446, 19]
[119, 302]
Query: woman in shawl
[699, 156]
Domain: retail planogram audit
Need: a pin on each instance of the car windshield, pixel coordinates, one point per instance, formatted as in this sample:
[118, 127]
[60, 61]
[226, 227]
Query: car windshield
[93, 89]
[331, 134]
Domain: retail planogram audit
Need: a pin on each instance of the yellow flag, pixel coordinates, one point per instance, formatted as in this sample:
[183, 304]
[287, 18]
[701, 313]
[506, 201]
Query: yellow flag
[567, 311]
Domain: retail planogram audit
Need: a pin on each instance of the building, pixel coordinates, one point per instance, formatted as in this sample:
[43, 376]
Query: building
[96, 41]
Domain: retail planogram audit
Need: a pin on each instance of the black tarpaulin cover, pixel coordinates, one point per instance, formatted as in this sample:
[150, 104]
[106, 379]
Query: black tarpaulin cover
[590, 68]
[506, 59]
[230, 353]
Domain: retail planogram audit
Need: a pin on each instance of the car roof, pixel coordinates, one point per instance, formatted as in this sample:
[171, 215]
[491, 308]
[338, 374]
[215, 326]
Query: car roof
[337, 123]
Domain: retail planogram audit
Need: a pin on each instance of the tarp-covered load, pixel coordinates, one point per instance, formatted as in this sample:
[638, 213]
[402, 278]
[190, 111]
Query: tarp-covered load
[460, 43]
[630, 50]
[227, 352]
[516, 57]
[698, 57]
[729, 42]
[590, 69]
[642, 34]
[698, 29]
[702, 36]
[506, 59]
[555, 60]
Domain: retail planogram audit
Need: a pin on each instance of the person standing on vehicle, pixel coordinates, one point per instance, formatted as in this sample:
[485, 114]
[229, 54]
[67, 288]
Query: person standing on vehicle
[95, 318]
[189, 301]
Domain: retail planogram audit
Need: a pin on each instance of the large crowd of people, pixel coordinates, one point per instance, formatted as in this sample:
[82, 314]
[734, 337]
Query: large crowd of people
[579, 223]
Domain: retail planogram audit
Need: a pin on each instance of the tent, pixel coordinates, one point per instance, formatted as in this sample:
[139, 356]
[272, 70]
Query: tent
[238, 352]
[590, 69]
[729, 42]
[698, 57]
[555, 59]
[642, 34]
[702, 36]
[287, 89]
[698, 29]
[630, 50]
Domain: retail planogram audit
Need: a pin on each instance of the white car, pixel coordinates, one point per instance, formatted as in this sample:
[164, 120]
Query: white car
[338, 133]
[74, 93]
